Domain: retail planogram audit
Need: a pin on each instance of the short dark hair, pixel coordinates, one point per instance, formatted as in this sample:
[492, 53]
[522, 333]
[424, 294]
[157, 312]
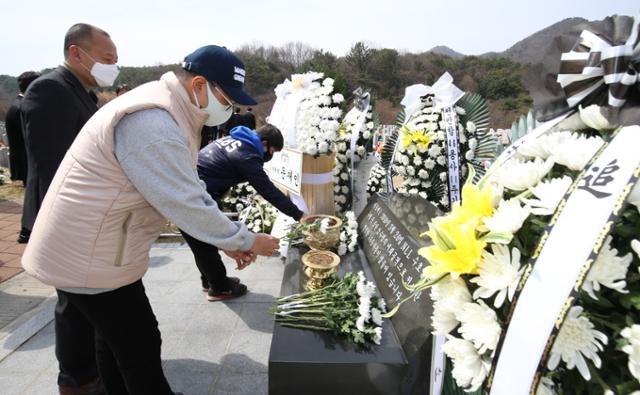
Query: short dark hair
[80, 33]
[272, 136]
[183, 74]
[25, 79]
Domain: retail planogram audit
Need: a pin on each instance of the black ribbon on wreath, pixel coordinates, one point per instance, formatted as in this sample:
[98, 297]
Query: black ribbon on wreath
[594, 63]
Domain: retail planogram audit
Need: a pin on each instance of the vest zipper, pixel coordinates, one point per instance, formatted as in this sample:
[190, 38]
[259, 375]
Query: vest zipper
[123, 239]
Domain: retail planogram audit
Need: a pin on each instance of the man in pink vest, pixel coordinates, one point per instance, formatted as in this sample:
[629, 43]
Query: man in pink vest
[132, 166]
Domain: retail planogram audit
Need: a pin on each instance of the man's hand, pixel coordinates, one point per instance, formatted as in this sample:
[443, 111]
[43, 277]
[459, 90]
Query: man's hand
[265, 244]
[243, 259]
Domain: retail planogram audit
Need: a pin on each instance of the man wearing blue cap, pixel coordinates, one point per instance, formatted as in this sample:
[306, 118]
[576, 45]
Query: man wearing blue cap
[131, 167]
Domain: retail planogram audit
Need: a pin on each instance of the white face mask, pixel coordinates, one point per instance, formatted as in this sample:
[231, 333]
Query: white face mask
[218, 113]
[105, 74]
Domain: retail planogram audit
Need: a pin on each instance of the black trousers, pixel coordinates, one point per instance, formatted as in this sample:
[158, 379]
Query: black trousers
[127, 339]
[209, 262]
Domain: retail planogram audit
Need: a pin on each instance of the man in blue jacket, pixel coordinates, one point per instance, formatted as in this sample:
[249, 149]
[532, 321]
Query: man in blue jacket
[224, 163]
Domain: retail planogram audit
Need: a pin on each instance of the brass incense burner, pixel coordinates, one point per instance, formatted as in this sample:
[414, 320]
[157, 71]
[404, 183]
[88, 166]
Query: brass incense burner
[318, 266]
[318, 240]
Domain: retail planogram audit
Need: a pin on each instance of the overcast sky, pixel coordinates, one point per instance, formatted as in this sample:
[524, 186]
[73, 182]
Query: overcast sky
[149, 32]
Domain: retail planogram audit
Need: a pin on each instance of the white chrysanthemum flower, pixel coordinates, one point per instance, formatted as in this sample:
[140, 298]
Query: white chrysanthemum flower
[471, 127]
[337, 98]
[577, 340]
[549, 194]
[500, 273]
[519, 175]
[632, 348]
[365, 289]
[543, 146]
[377, 335]
[382, 305]
[449, 296]
[360, 323]
[364, 307]
[376, 316]
[508, 217]
[434, 150]
[609, 270]
[479, 325]
[469, 368]
[546, 387]
[429, 164]
[574, 153]
[593, 118]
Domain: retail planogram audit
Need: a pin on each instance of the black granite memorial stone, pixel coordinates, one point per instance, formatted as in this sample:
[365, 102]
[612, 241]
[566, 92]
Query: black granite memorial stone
[308, 362]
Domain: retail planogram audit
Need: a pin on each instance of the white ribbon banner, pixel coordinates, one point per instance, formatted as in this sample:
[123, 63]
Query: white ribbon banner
[285, 169]
[563, 260]
[453, 153]
[317, 178]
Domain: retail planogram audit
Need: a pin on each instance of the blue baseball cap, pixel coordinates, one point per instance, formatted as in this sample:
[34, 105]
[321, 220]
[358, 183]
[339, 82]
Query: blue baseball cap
[221, 66]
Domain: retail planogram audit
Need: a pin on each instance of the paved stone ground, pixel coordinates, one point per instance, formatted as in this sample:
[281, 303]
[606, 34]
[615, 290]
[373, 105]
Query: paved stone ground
[208, 348]
[10, 251]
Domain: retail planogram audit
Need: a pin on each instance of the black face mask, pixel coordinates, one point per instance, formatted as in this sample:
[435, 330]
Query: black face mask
[267, 155]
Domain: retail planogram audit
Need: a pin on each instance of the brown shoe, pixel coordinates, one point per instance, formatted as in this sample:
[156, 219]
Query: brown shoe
[94, 387]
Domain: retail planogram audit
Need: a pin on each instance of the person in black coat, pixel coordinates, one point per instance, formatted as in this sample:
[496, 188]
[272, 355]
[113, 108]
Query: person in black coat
[13, 124]
[224, 163]
[249, 119]
[55, 108]
[235, 120]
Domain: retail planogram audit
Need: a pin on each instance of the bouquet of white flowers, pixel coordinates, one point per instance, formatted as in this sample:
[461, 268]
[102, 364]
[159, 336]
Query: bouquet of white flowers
[377, 181]
[238, 198]
[422, 155]
[348, 234]
[365, 122]
[318, 116]
[346, 307]
[260, 216]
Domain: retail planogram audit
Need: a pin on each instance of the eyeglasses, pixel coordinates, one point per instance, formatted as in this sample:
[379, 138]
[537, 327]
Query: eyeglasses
[229, 101]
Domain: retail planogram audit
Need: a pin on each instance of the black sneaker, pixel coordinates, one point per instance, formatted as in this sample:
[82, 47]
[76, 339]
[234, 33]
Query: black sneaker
[235, 290]
[23, 236]
[206, 285]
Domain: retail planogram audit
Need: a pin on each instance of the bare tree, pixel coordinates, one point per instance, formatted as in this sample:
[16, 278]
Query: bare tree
[296, 53]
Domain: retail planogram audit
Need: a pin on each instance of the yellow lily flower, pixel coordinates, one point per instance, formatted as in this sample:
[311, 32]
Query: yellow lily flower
[463, 258]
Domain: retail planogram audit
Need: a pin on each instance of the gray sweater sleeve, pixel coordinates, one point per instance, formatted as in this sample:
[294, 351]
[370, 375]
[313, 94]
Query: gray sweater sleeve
[154, 155]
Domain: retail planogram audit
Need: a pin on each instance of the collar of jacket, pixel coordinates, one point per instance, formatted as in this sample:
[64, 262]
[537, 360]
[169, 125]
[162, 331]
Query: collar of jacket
[194, 115]
[89, 98]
